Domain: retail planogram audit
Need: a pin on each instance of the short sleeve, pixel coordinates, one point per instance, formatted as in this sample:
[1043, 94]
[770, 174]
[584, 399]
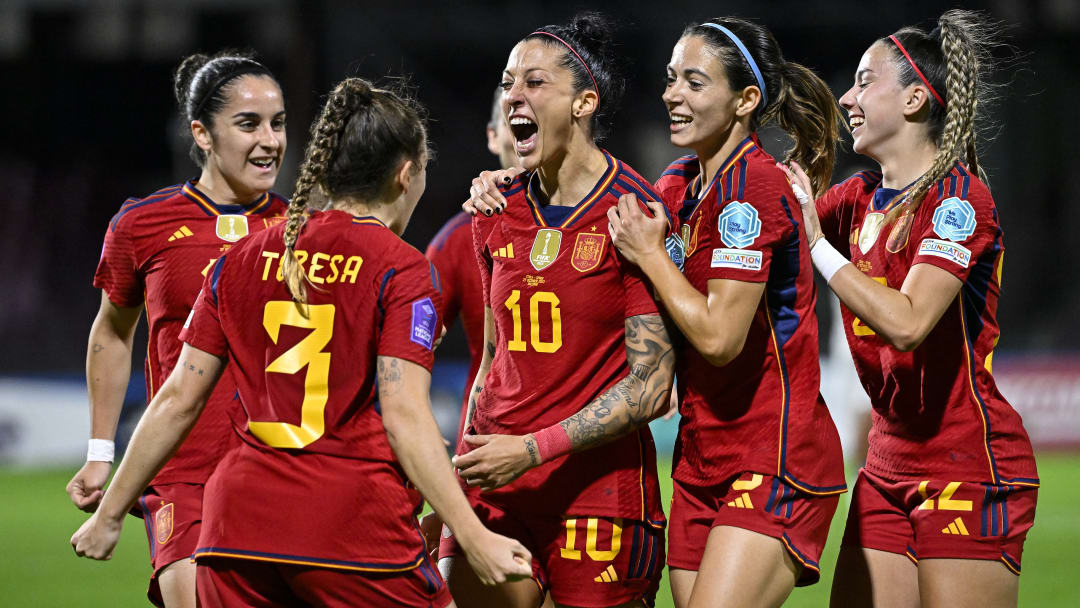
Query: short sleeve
[636, 290]
[118, 268]
[203, 326]
[830, 210]
[410, 324]
[958, 233]
[483, 258]
[744, 233]
[442, 258]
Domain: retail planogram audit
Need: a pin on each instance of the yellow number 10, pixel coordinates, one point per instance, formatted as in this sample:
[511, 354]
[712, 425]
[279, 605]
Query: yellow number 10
[516, 342]
[308, 352]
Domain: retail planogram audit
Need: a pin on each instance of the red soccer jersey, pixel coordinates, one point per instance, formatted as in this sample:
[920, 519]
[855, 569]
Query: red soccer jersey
[937, 412]
[561, 294]
[451, 251]
[157, 251]
[315, 480]
[761, 412]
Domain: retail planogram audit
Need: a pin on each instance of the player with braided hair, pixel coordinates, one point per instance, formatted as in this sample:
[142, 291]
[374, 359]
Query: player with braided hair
[318, 503]
[157, 250]
[948, 492]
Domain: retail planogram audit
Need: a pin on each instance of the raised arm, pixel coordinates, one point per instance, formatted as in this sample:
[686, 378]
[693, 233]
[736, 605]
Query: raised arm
[108, 369]
[414, 436]
[168, 419]
[631, 403]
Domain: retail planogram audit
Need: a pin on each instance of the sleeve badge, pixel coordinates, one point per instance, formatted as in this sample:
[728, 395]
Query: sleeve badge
[739, 224]
[954, 219]
[424, 322]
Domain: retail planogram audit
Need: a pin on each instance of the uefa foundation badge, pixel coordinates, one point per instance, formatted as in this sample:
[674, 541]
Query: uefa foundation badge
[954, 219]
[739, 224]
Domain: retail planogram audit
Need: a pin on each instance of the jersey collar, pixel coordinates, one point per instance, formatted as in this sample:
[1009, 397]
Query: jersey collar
[211, 208]
[537, 201]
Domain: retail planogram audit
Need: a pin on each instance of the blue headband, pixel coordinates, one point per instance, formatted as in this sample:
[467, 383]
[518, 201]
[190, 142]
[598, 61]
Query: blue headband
[747, 55]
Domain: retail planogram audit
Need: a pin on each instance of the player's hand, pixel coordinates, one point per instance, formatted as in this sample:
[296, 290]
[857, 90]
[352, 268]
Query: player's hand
[85, 488]
[803, 189]
[431, 526]
[484, 195]
[496, 460]
[497, 559]
[635, 234]
[97, 537]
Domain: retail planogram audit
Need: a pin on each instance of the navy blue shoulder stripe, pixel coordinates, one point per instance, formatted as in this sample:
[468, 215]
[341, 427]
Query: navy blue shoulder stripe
[644, 186]
[436, 282]
[444, 233]
[678, 172]
[135, 203]
[214, 277]
[742, 177]
[685, 160]
[870, 178]
[382, 287]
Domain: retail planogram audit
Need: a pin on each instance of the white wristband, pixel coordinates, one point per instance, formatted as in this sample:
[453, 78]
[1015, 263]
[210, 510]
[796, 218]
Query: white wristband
[100, 450]
[827, 259]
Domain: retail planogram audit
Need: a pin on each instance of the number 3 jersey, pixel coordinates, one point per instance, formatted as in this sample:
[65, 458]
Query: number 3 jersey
[157, 251]
[762, 412]
[315, 480]
[560, 295]
[937, 412]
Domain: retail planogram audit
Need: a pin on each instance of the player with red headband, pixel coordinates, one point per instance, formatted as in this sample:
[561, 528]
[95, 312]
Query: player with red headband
[157, 251]
[576, 353]
[948, 492]
[758, 466]
[317, 504]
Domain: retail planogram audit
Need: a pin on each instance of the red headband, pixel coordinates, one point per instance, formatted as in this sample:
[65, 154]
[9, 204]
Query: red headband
[917, 70]
[583, 64]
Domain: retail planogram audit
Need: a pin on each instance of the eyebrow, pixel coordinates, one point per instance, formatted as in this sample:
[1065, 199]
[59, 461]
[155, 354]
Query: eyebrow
[863, 72]
[697, 71]
[254, 114]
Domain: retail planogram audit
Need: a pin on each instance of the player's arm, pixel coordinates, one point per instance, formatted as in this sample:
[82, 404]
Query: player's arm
[485, 365]
[716, 324]
[901, 317]
[631, 403]
[413, 435]
[108, 368]
[168, 419]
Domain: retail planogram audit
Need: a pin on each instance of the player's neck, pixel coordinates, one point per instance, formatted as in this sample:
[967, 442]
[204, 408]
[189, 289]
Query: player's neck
[569, 178]
[215, 186]
[386, 212]
[904, 159]
[710, 158]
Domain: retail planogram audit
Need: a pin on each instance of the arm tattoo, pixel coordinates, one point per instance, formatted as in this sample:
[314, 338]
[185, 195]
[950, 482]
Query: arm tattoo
[389, 376]
[192, 368]
[97, 348]
[532, 450]
[636, 399]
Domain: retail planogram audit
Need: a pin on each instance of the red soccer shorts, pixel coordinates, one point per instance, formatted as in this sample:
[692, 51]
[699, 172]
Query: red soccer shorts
[752, 501]
[225, 582]
[581, 561]
[172, 514]
[937, 518]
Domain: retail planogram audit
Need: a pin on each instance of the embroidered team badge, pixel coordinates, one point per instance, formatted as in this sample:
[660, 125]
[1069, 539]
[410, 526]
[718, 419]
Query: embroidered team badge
[901, 231]
[871, 228]
[232, 228]
[588, 251]
[163, 523]
[739, 224]
[954, 219]
[690, 237]
[424, 323]
[545, 248]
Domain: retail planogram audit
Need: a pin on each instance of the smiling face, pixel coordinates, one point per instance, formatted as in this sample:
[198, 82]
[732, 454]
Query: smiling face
[246, 143]
[538, 99]
[699, 100]
[876, 102]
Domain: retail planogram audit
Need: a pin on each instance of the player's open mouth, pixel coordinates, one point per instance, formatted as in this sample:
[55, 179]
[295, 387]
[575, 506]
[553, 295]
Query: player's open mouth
[679, 122]
[264, 164]
[855, 122]
[524, 131]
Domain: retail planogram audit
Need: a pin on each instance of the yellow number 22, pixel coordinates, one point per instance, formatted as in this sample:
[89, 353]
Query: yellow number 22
[308, 352]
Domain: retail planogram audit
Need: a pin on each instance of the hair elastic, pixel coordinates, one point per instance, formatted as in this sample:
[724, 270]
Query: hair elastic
[583, 64]
[746, 54]
[933, 92]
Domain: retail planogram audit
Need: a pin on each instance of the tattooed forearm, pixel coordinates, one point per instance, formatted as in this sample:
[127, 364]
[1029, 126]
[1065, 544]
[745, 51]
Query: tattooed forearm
[532, 450]
[389, 376]
[636, 399]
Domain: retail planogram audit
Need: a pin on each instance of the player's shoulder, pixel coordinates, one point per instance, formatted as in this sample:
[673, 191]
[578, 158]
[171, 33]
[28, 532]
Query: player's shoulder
[458, 225]
[961, 183]
[278, 204]
[632, 182]
[137, 207]
[861, 183]
[677, 175]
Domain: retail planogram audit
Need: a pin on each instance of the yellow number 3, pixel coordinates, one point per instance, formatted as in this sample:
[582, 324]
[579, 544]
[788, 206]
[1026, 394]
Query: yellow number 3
[308, 352]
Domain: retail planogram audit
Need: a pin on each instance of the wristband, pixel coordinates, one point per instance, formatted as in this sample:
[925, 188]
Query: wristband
[827, 259]
[100, 450]
[552, 442]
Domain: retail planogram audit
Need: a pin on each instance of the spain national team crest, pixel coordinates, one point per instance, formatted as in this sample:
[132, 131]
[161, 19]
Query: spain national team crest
[871, 228]
[163, 523]
[545, 248]
[588, 251]
[901, 231]
[232, 228]
[690, 237]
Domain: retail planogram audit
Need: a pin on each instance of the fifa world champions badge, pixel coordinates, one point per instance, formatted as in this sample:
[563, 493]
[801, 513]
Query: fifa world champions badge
[588, 251]
[739, 224]
[871, 228]
[232, 228]
[545, 248]
[954, 219]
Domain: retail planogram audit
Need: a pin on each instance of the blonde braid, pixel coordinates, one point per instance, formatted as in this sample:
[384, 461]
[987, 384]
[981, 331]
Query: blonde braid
[341, 105]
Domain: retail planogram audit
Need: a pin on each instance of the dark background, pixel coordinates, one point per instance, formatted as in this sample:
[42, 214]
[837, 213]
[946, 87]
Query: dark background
[90, 120]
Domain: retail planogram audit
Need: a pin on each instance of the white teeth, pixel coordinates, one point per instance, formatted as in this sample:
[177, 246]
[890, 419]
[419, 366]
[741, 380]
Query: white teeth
[856, 121]
[521, 120]
[262, 163]
[681, 119]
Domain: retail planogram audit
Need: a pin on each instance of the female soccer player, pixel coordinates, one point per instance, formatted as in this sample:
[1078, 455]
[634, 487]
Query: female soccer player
[948, 492]
[574, 346]
[758, 466]
[157, 251]
[317, 504]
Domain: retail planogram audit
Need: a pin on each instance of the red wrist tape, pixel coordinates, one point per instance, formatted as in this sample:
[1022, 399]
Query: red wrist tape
[552, 442]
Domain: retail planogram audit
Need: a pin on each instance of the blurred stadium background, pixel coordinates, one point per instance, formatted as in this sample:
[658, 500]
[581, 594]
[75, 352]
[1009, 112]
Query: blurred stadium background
[91, 121]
